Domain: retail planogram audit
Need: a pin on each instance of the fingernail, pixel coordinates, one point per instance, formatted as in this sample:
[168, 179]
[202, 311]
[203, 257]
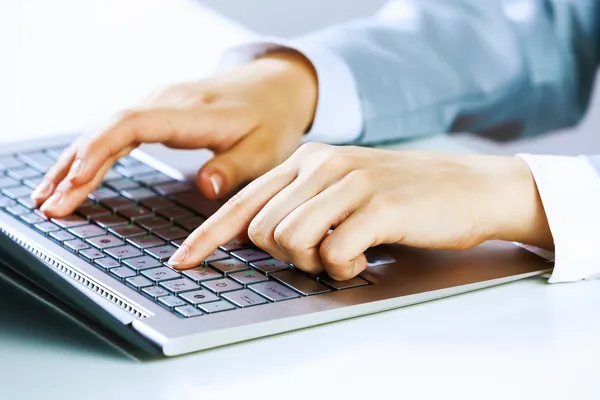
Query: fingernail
[53, 202]
[217, 182]
[179, 256]
[42, 190]
[76, 168]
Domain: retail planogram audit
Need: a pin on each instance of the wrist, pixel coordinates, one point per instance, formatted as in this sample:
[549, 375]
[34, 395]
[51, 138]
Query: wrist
[297, 86]
[513, 204]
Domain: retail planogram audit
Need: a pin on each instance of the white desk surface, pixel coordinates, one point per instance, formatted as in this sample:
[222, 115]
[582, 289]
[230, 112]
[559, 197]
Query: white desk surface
[75, 61]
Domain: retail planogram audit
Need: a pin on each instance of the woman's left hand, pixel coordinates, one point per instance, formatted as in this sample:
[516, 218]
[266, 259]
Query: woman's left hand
[324, 206]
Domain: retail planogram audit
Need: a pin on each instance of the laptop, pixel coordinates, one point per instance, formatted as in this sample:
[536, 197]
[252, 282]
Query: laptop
[106, 262]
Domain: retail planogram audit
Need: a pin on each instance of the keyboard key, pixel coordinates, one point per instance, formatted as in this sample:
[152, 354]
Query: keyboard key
[248, 277]
[93, 211]
[139, 282]
[111, 174]
[190, 223]
[134, 170]
[105, 242]
[134, 213]
[216, 306]
[351, 283]
[52, 154]
[33, 182]
[196, 202]
[188, 311]
[23, 173]
[171, 233]
[123, 252]
[300, 282]
[76, 245]
[6, 182]
[174, 212]
[244, 298]
[31, 218]
[87, 203]
[228, 266]
[199, 297]
[117, 203]
[236, 244]
[87, 231]
[202, 274]
[128, 161]
[102, 193]
[55, 152]
[91, 254]
[37, 160]
[145, 241]
[152, 179]
[269, 266]
[168, 189]
[110, 221]
[46, 227]
[17, 209]
[216, 256]
[121, 184]
[41, 214]
[122, 273]
[162, 253]
[221, 285]
[137, 193]
[106, 263]
[6, 202]
[274, 291]
[153, 222]
[61, 236]
[171, 301]
[16, 192]
[160, 274]
[141, 263]
[69, 221]
[250, 255]
[27, 202]
[179, 285]
[156, 202]
[7, 162]
[178, 243]
[155, 292]
[127, 231]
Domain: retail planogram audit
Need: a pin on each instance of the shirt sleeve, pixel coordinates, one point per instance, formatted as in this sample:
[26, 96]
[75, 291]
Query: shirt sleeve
[569, 188]
[337, 89]
[498, 68]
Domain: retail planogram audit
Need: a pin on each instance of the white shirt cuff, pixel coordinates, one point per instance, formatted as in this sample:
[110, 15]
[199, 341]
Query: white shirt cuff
[569, 188]
[338, 117]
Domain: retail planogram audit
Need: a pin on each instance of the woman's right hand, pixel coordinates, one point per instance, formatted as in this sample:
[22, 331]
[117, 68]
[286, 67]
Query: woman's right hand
[252, 117]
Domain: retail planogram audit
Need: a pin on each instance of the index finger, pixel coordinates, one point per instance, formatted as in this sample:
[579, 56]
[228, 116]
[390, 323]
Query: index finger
[89, 155]
[80, 163]
[231, 219]
[170, 125]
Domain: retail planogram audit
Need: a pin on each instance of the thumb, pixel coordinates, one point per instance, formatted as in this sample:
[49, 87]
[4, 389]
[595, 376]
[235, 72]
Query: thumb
[251, 157]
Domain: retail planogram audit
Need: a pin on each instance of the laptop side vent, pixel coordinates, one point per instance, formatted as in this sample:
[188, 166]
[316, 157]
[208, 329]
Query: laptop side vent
[77, 276]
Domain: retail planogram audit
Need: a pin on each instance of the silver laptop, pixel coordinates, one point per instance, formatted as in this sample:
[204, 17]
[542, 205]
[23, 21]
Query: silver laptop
[106, 262]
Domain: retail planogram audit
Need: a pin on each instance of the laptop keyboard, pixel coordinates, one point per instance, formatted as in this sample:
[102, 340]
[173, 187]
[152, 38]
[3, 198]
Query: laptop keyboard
[132, 224]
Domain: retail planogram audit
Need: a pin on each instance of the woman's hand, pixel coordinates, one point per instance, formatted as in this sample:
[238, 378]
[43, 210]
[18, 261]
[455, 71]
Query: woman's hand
[324, 206]
[253, 117]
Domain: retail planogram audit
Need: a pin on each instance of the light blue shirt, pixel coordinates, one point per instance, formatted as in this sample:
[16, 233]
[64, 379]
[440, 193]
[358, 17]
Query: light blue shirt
[520, 67]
